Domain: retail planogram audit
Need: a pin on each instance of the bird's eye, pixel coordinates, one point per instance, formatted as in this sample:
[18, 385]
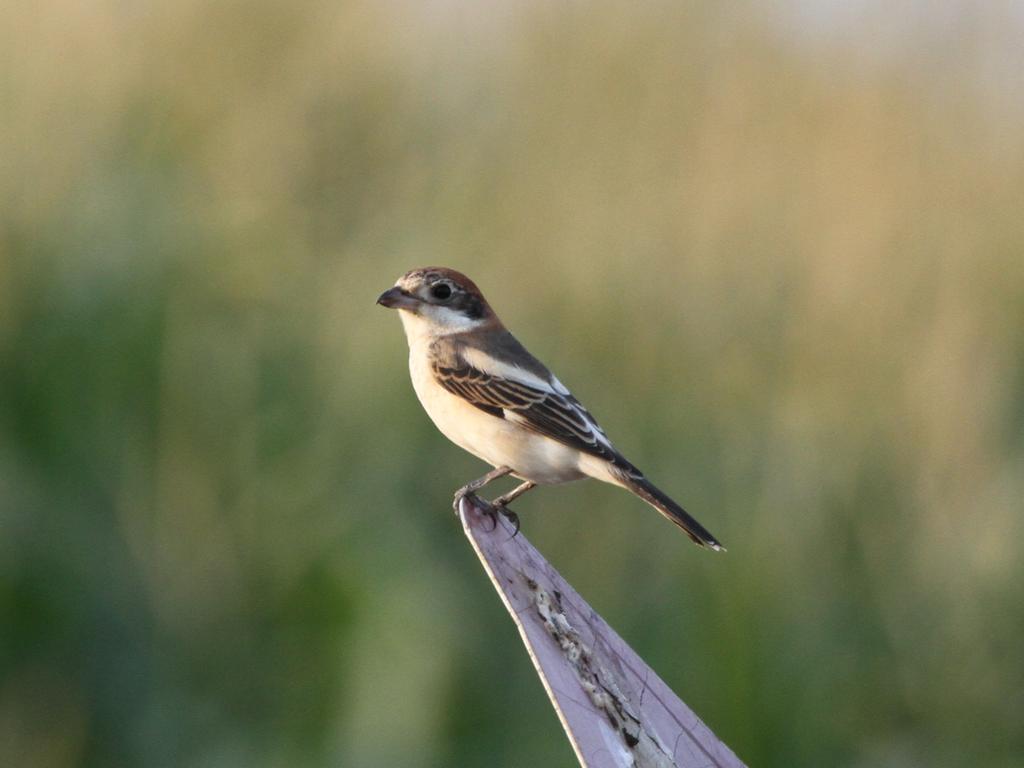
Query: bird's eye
[441, 291]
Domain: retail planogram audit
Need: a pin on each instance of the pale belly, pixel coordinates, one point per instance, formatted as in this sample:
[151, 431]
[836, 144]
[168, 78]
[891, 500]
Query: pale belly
[497, 441]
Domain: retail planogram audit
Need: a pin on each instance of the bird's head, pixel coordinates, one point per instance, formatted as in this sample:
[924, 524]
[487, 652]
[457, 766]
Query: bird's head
[446, 300]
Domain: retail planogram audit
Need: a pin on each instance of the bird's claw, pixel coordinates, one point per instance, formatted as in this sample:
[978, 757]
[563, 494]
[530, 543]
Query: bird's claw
[489, 509]
[484, 507]
[508, 514]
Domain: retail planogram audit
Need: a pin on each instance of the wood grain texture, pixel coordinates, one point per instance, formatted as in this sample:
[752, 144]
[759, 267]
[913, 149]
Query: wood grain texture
[615, 710]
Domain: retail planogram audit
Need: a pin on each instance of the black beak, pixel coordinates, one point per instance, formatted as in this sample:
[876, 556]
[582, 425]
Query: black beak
[396, 298]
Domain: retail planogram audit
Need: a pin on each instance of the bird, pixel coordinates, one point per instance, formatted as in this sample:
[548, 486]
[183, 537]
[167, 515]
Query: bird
[487, 394]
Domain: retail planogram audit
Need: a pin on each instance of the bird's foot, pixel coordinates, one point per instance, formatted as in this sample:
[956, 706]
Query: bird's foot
[488, 508]
[463, 493]
[470, 489]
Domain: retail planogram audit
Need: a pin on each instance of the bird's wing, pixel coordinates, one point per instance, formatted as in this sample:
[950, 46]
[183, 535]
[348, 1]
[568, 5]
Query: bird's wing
[546, 408]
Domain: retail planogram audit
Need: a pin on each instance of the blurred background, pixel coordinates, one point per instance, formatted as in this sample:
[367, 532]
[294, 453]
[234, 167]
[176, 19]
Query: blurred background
[777, 249]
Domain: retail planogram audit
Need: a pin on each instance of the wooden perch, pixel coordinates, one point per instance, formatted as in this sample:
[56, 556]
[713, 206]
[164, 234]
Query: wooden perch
[615, 710]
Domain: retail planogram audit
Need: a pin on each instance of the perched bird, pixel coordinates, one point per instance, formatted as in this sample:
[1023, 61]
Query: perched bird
[490, 396]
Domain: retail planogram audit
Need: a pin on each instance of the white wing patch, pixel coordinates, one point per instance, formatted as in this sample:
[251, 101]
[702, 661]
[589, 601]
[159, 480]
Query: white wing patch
[477, 358]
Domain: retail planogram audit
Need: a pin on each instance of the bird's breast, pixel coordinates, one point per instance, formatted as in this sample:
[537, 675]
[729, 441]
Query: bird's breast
[498, 441]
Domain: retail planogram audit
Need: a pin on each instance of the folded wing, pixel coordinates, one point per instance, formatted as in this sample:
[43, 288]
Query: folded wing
[544, 410]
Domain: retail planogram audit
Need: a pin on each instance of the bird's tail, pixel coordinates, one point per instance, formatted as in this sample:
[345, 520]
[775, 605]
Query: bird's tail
[646, 490]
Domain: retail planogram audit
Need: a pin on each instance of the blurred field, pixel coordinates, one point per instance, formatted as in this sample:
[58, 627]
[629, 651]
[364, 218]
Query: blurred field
[780, 256]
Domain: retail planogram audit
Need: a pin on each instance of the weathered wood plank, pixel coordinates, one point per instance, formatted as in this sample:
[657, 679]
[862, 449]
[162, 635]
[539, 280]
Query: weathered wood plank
[615, 709]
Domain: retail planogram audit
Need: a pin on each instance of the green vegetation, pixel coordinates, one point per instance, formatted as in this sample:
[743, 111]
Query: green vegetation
[786, 272]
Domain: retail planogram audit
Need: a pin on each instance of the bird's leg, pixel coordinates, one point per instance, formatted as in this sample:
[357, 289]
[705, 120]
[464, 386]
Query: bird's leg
[515, 493]
[502, 502]
[469, 488]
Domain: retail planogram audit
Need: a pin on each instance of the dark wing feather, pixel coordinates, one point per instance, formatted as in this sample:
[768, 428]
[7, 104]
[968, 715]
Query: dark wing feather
[543, 411]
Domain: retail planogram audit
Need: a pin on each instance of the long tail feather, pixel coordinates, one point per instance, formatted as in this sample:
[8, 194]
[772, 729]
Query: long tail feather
[650, 493]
